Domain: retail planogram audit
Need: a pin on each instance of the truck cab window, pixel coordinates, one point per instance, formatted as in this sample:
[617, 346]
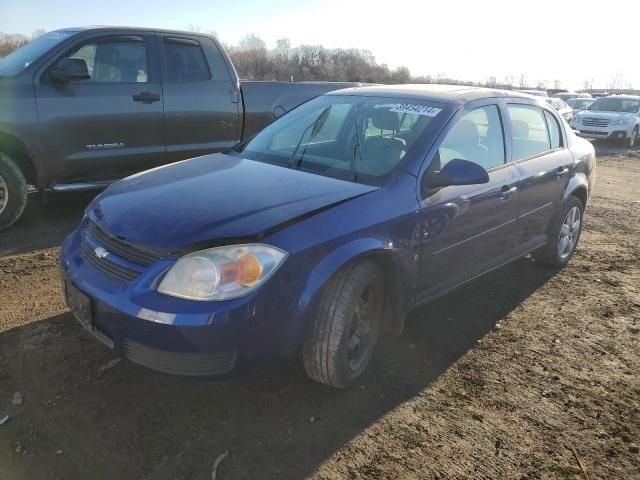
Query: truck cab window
[185, 62]
[115, 61]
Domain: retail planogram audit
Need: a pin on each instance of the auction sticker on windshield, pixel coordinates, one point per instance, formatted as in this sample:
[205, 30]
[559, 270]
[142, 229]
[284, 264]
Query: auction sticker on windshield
[416, 109]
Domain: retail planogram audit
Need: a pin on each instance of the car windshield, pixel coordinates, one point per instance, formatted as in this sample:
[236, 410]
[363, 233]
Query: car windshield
[17, 61]
[613, 104]
[356, 138]
[579, 102]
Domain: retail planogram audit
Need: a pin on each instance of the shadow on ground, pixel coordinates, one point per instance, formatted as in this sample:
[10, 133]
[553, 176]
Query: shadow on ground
[45, 225]
[122, 421]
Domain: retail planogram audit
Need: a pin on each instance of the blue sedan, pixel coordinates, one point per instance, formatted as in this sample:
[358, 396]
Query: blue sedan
[320, 233]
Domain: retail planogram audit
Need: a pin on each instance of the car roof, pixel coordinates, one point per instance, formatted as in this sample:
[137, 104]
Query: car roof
[434, 92]
[623, 97]
[137, 29]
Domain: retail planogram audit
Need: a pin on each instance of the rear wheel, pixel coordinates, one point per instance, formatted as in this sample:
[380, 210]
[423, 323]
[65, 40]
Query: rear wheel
[341, 340]
[564, 240]
[13, 192]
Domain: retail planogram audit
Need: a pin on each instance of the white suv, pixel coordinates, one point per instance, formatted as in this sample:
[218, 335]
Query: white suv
[616, 117]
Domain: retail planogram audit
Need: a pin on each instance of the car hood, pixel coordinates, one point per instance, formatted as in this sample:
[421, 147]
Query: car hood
[604, 115]
[211, 198]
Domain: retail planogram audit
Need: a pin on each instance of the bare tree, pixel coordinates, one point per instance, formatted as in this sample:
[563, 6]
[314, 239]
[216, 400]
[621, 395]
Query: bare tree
[38, 33]
[617, 81]
[557, 84]
[523, 81]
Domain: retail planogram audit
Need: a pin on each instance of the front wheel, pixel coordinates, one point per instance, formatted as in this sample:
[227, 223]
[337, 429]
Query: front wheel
[13, 192]
[632, 141]
[342, 337]
[564, 239]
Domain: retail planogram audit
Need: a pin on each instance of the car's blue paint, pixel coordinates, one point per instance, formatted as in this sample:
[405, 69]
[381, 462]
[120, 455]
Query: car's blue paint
[435, 241]
[212, 197]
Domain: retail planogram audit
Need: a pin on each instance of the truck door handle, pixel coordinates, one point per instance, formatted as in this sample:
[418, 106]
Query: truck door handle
[146, 97]
[505, 191]
[560, 172]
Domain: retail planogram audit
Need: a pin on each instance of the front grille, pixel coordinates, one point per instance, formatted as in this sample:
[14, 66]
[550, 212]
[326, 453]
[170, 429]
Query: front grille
[139, 254]
[93, 236]
[105, 266]
[595, 122]
[177, 363]
[592, 132]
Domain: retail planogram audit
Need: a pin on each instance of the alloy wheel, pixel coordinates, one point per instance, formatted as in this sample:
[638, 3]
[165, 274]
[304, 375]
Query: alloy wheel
[360, 332]
[569, 233]
[4, 195]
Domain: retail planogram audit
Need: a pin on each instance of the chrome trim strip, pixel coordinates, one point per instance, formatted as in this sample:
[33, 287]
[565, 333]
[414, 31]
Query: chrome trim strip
[535, 210]
[471, 238]
[70, 187]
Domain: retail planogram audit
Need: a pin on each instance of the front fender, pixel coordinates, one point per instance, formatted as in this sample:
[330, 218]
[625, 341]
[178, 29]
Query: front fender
[334, 261]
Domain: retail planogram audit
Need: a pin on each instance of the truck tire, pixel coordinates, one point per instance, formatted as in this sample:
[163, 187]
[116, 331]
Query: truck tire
[632, 141]
[340, 341]
[564, 238]
[13, 192]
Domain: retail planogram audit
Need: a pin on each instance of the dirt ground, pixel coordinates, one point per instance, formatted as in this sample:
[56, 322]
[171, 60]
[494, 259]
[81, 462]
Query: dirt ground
[528, 373]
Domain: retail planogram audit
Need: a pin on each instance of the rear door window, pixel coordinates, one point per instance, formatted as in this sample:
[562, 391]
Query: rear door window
[184, 61]
[529, 129]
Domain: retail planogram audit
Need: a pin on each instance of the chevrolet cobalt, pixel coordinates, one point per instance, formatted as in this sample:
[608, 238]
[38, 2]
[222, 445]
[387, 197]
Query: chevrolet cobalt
[321, 232]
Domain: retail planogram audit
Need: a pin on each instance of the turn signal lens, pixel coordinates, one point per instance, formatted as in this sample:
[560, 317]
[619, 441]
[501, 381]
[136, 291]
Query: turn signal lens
[222, 273]
[249, 269]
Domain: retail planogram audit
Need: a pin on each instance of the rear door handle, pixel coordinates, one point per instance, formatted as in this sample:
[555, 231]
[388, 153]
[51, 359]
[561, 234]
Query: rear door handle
[561, 171]
[505, 191]
[146, 97]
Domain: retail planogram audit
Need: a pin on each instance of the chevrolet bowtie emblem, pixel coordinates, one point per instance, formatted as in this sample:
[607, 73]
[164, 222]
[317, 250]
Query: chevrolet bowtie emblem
[101, 252]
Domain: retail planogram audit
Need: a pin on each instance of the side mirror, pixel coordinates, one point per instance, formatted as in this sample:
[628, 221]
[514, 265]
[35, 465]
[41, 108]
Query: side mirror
[457, 172]
[68, 69]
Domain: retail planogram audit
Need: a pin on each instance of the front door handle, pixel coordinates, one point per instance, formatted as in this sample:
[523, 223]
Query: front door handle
[505, 191]
[146, 97]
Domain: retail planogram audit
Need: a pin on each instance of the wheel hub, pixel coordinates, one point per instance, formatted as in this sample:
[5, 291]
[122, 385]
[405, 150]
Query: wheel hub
[359, 334]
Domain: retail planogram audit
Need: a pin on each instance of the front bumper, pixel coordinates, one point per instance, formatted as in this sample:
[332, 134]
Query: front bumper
[595, 132]
[183, 337]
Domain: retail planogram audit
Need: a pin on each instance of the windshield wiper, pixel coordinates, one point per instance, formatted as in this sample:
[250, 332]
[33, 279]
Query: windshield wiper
[314, 127]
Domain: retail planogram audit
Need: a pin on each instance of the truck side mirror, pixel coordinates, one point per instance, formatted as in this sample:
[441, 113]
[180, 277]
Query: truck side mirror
[68, 69]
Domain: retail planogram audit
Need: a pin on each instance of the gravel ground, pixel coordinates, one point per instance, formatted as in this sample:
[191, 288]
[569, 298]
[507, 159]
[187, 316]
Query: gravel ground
[527, 373]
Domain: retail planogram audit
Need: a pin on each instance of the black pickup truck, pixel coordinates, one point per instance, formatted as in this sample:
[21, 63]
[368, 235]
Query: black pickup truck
[81, 107]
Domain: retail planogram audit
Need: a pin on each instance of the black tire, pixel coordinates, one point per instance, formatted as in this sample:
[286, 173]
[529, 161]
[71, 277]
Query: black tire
[13, 189]
[330, 347]
[550, 253]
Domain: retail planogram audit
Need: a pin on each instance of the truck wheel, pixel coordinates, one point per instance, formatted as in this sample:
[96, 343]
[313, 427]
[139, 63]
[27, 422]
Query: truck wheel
[13, 192]
[342, 337]
[632, 141]
[563, 242]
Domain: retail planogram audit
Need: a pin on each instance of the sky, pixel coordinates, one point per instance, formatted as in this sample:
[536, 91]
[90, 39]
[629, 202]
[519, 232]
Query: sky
[570, 41]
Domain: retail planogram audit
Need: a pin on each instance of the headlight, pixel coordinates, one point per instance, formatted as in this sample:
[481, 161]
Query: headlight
[222, 273]
[621, 121]
[576, 119]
